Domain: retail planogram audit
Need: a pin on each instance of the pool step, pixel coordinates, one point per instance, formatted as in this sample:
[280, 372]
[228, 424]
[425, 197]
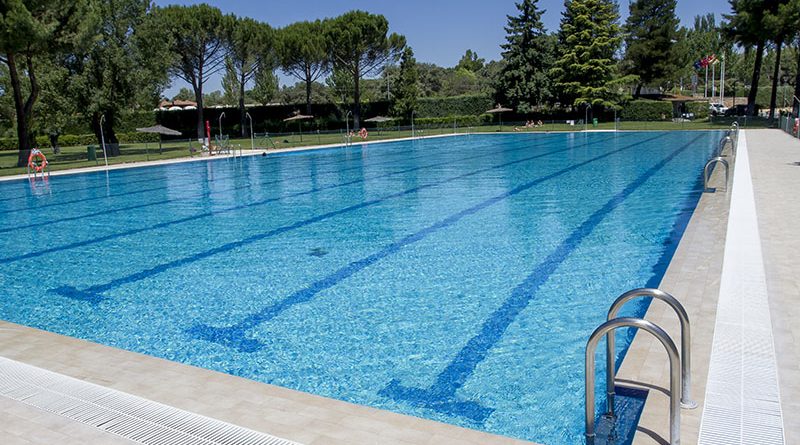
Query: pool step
[131, 417]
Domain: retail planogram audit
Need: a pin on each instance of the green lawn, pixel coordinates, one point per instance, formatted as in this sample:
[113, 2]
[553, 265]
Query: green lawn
[75, 157]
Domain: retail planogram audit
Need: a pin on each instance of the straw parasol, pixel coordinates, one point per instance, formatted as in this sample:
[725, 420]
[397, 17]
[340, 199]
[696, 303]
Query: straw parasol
[299, 117]
[499, 110]
[380, 119]
[159, 130]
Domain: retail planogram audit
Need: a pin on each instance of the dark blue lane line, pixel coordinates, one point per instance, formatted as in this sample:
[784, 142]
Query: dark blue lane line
[235, 336]
[231, 176]
[125, 179]
[112, 236]
[670, 245]
[441, 396]
[126, 174]
[249, 184]
[94, 293]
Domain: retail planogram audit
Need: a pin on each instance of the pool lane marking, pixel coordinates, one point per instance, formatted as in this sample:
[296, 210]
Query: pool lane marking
[441, 396]
[276, 156]
[235, 336]
[192, 168]
[235, 175]
[93, 294]
[42, 252]
[250, 184]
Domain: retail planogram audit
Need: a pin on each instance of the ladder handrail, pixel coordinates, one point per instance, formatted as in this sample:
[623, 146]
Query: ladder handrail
[707, 174]
[674, 373]
[723, 143]
[686, 344]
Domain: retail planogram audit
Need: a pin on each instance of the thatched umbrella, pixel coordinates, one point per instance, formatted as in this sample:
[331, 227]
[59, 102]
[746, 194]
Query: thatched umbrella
[159, 130]
[299, 117]
[380, 120]
[499, 110]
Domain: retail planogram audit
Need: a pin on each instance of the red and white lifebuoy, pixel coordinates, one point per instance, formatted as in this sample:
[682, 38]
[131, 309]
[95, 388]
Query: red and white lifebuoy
[363, 134]
[37, 162]
[796, 125]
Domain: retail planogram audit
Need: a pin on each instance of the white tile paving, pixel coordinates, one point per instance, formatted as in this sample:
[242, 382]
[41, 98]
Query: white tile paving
[742, 403]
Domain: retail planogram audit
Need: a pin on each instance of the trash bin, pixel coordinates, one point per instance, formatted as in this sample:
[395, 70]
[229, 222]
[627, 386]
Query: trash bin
[91, 152]
[594, 122]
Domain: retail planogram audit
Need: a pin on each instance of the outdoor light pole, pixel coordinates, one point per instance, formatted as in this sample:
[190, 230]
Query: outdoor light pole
[252, 140]
[586, 117]
[103, 139]
[220, 125]
[347, 123]
[412, 123]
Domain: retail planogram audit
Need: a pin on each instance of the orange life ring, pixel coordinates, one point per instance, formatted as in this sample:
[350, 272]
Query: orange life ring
[796, 125]
[363, 133]
[37, 155]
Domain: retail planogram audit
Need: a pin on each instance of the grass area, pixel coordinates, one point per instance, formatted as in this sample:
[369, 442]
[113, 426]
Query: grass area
[76, 157]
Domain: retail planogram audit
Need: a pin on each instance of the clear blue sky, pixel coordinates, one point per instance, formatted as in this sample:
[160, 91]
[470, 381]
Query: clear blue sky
[440, 31]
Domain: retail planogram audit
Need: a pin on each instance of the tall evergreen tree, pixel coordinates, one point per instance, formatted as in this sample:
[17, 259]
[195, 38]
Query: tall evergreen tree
[791, 12]
[265, 85]
[196, 37]
[250, 44]
[747, 27]
[30, 30]
[303, 53]
[524, 80]
[650, 32]
[361, 46]
[586, 70]
[407, 90]
[123, 60]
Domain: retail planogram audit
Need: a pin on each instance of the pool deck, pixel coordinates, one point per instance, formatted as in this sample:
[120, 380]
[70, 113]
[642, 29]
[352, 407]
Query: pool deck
[694, 277]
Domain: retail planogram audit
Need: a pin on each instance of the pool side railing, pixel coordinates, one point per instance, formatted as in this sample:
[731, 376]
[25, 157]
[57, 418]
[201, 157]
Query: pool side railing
[680, 363]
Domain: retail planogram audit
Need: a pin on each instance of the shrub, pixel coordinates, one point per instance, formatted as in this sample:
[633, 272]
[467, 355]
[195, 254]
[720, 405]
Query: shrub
[453, 106]
[647, 110]
[700, 109]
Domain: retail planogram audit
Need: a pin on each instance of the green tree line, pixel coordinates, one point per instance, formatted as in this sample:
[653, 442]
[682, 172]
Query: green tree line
[95, 59]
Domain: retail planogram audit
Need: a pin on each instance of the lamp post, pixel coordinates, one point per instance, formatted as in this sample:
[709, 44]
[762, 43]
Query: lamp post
[220, 125]
[412, 123]
[586, 116]
[103, 139]
[252, 140]
[347, 123]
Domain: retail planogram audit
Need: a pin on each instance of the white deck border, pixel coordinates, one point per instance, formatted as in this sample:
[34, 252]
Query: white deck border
[742, 401]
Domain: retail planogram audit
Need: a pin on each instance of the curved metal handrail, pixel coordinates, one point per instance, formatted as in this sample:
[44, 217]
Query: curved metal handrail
[674, 373]
[686, 344]
[724, 142]
[707, 173]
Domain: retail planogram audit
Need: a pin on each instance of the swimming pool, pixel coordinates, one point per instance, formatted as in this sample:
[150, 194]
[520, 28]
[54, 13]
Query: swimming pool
[455, 279]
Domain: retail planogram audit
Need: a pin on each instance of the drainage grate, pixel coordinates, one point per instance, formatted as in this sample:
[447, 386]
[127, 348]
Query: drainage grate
[742, 404]
[116, 412]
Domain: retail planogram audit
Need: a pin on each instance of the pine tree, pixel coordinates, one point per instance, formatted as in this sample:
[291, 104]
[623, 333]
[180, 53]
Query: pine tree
[586, 71]
[650, 31]
[524, 80]
[408, 86]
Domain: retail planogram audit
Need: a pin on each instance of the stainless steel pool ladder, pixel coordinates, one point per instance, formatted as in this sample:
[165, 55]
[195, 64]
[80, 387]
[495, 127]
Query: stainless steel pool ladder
[680, 380]
[707, 172]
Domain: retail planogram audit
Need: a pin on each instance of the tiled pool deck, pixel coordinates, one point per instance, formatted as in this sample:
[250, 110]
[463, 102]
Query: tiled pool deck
[693, 277]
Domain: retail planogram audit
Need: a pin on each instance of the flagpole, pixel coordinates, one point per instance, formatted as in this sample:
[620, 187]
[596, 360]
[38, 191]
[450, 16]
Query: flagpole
[722, 82]
[713, 80]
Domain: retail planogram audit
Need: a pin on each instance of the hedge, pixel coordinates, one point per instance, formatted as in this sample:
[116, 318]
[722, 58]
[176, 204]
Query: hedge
[453, 106]
[647, 110]
[72, 140]
[700, 109]
[461, 121]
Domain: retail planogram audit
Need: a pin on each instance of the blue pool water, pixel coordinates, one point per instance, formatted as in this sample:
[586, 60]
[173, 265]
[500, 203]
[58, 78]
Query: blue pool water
[455, 279]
